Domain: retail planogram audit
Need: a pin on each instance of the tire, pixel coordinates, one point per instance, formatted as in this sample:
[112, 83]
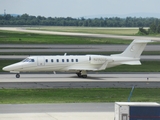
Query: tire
[84, 76]
[79, 75]
[17, 75]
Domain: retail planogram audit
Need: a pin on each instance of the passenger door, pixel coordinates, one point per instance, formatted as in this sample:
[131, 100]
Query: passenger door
[40, 61]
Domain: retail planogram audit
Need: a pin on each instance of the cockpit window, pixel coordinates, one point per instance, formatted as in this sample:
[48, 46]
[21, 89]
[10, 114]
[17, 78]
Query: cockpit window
[28, 60]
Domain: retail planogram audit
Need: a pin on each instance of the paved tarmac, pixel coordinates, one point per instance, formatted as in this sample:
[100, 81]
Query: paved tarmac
[59, 116]
[34, 81]
[65, 111]
[56, 107]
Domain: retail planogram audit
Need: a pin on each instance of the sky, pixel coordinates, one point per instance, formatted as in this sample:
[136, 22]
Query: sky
[79, 8]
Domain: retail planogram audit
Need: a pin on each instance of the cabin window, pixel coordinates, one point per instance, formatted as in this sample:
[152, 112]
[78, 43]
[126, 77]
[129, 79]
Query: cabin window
[72, 60]
[32, 60]
[62, 60]
[46, 60]
[51, 60]
[76, 60]
[57, 60]
[67, 60]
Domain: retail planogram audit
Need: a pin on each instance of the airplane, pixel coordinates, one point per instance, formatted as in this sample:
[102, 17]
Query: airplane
[80, 64]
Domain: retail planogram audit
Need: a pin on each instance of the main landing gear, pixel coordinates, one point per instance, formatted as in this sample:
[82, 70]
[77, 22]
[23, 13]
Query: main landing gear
[82, 74]
[17, 75]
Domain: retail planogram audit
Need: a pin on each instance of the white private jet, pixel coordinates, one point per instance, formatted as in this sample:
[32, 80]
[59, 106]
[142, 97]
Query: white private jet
[79, 64]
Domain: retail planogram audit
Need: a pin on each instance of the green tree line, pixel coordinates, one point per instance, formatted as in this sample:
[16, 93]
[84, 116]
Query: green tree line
[26, 19]
[154, 28]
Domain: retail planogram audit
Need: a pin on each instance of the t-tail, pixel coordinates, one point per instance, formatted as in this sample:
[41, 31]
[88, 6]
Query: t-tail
[132, 53]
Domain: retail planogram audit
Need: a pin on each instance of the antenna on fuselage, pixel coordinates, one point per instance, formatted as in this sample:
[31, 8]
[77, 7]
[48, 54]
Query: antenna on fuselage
[65, 54]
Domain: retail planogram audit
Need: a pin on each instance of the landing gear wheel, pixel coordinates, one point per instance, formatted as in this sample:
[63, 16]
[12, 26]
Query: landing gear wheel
[84, 76]
[17, 75]
[79, 75]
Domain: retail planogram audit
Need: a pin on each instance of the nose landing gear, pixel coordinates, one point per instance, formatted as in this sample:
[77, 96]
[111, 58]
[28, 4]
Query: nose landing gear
[17, 75]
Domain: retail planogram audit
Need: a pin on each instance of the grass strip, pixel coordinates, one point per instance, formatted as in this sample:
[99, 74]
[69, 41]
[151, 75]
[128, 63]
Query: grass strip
[31, 38]
[129, 31]
[8, 37]
[78, 95]
[11, 37]
[93, 30]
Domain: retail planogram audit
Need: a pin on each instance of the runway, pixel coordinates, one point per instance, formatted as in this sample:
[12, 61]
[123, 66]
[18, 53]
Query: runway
[34, 81]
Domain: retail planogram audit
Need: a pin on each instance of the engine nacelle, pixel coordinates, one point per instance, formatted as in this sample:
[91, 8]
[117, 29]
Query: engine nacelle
[97, 59]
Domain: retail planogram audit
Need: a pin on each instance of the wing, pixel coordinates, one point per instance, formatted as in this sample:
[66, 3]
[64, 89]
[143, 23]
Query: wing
[79, 68]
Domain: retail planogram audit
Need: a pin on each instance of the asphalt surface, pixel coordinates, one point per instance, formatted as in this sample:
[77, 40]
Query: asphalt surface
[69, 48]
[34, 81]
[64, 111]
[63, 107]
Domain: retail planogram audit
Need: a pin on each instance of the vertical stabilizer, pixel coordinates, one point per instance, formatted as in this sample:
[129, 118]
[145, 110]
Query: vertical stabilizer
[135, 49]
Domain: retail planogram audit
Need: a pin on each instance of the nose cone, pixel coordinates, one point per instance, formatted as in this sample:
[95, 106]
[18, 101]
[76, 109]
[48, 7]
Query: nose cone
[5, 69]
[13, 67]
